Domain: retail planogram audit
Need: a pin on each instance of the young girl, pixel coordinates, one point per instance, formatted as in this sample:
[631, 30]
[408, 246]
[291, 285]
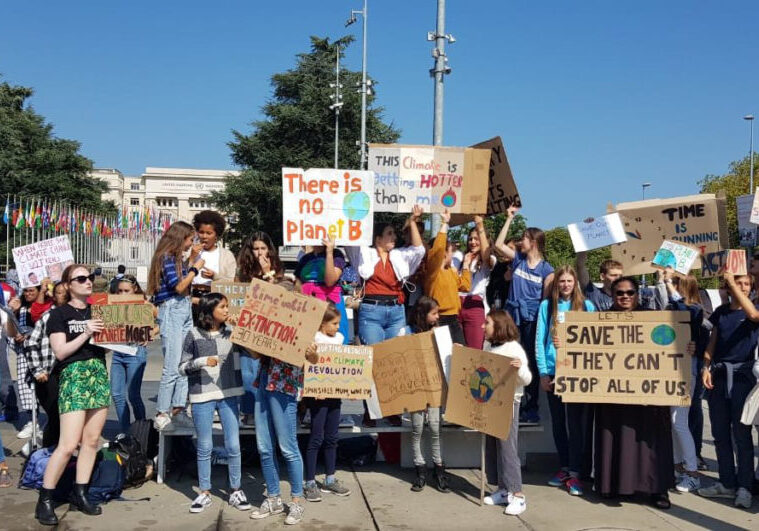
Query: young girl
[127, 368]
[565, 296]
[531, 282]
[169, 284]
[325, 420]
[212, 366]
[474, 305]
[83, 397]
[502, 337]
[426, 316]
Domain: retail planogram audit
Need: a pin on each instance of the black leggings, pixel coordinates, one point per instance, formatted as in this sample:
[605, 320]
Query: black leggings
[47, 394]
[325, 420]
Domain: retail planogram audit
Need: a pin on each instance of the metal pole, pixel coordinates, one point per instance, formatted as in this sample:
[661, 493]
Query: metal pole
[751, 179]
[363, 93]
[438, 72]
[337, 104]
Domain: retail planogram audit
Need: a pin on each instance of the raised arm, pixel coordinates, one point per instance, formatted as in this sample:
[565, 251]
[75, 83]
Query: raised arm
[484, 243]
[583, 277]
[331, 273]
[751, 312]
[436, 254]
[416, 214]
[500, 242]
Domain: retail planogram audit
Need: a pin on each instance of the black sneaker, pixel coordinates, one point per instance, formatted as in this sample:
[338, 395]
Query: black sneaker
[336, 488]
[311, 493]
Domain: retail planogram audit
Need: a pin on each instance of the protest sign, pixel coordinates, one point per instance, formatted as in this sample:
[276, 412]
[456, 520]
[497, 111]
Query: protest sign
[624, 358]
[481, 391]
[318, 203]
[698, 220]
[678, 256]
[502, 190]
[407, 375]
[433, 177]
[126, 318]
[46, 258]
[343, 371]
[598, 232]
[744, 212]
[735, 261]
[277, 322]
[235, 292]
[755, 208]
[444, 343]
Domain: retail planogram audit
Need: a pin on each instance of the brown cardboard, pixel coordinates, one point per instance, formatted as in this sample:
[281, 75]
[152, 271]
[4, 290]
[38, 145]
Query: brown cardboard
[343, 371]
[624, 358]
[127, 318]
[235, 292]
[696, 220]
[407, 374]
[278, 323]
[735, 262]
[502, 190]
[481, 391]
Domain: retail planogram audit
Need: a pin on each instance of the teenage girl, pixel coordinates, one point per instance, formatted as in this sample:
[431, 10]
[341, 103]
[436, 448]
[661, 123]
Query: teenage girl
[474, 304]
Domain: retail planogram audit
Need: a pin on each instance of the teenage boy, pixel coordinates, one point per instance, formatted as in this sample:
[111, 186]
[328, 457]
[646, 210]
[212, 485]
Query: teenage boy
[611, 270]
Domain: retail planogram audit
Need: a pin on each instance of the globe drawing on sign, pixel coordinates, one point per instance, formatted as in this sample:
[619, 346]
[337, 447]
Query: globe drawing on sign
[449, 198]
[356, 206]
[663, 335]
[665, 258]
[481, 385]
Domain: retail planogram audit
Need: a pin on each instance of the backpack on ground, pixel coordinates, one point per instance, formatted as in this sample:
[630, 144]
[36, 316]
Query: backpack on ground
[106, 482]
[137, 467]
[144, 431]
[33, 469]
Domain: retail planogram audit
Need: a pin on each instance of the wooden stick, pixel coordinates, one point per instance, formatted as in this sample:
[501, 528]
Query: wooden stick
[482, 469]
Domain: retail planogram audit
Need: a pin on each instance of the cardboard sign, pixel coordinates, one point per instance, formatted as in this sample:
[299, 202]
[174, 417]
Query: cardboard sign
[46, 258]
[755, 208]
[735, 261]
[127, 318]
[676, 255]
[343, 371]
[744, 212]
[481, 391]
[434, 177]
[624, 358]
[407, 375]
[600, 232]
[318, 203]
[277, 322]
[444, 343]
[235, 292]
[697, 220]
[502, 190]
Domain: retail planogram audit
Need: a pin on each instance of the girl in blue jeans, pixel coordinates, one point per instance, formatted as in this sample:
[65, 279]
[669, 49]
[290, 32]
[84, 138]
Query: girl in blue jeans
[212, 366]
[127, 368]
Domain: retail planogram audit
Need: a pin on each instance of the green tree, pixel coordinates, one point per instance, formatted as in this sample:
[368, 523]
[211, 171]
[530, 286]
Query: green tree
[298, 131]
[560, 252]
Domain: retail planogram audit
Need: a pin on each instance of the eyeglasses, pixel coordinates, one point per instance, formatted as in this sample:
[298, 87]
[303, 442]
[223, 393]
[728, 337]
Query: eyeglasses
[81, 279]
[622, 293]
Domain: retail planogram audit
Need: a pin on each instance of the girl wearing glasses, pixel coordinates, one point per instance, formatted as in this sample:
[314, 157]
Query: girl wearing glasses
[83, 397]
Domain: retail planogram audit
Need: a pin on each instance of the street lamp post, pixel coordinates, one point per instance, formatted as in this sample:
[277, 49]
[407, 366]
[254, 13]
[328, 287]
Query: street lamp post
[337, 102]
[363, 88]
[750, 118]
[645, 185]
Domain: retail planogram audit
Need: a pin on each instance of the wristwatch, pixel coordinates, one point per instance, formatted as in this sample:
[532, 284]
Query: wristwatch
[193, 269]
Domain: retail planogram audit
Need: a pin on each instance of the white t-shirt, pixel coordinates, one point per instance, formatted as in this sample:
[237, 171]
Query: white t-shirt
[212, 259]
[324, 338]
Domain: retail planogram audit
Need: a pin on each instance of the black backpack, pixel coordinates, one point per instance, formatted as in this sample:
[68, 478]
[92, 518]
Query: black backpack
[132, 459]
[146, 434]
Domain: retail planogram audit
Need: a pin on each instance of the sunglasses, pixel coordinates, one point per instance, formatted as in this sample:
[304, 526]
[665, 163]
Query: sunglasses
[81, 279]
[629, 292]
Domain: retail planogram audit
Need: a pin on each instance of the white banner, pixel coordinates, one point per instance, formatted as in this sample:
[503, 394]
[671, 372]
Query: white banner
[46, 258]
[599, 232]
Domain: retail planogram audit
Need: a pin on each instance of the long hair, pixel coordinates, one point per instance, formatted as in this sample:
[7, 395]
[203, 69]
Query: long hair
[538, 237]
[504, 329]
[687, 286]
[171, 245]
[206, 305]
[133, 281]
[422, 307]
[577, 300]
[68, 273]
[247, 264]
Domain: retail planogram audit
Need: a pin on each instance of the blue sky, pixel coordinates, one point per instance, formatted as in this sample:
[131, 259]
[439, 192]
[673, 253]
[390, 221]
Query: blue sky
[591, 98]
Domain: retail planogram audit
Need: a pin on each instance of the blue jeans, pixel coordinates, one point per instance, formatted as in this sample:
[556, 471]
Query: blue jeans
[378, 323]
[126, 381]
[249, 367]
[175, 320]
[276, 416]
[202, 417]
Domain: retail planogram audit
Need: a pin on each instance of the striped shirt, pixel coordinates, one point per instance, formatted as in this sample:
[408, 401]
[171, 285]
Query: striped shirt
[211, 383]
[169, 279]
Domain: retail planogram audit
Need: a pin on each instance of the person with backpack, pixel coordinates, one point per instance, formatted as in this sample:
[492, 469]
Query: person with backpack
[212, 366]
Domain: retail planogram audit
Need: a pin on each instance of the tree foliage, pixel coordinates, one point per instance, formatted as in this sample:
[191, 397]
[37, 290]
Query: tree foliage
[298, 131]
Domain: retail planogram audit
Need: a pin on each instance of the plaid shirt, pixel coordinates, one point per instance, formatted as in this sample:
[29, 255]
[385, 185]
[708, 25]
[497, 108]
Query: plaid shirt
[37, 350]
[169, 279]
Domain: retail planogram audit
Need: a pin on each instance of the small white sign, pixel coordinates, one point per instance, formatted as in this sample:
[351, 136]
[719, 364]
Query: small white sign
[46, 258]
[600, 232]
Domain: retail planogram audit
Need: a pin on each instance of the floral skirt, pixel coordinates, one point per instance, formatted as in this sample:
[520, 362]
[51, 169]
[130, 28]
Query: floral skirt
[84, 385]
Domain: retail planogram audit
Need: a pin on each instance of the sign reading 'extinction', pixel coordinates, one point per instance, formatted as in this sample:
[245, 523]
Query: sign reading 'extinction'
[624, 358]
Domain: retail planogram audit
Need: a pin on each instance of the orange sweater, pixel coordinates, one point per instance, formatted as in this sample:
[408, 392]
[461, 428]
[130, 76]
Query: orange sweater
[444, 285]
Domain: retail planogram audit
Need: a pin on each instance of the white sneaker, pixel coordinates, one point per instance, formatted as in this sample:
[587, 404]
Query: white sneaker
[717, 490]
[743, 498]
[269, 507]
[516, 506]
[26, 431]
[238, 500]
[688, 483]
[200, 503]
[295, 513]
[162, 421]
[498, 497]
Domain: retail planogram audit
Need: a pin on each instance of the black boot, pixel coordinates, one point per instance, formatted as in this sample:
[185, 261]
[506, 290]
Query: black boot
[80, 502]
[421, 478]
[441, 479]
[45, 510]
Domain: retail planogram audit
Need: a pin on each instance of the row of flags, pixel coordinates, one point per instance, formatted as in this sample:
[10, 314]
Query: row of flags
[59, 216]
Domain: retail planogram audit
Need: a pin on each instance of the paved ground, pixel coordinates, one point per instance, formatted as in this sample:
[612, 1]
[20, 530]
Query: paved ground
[381, 500]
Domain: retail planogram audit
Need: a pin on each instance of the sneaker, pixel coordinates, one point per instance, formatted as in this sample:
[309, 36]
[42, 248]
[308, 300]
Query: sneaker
[516, 506]
[335, 488]
[743, 498]
[26, 431]
[311, 492]
[688, 483]
[200, 503]
[294, 513]
[269, 507]
[162, 421]
[574, 487]
[561, 477]
[498, 497]
[717, 490]
[238, 500]
[183, 420]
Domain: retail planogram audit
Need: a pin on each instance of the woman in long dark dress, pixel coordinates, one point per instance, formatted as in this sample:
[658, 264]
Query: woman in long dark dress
[633, 451]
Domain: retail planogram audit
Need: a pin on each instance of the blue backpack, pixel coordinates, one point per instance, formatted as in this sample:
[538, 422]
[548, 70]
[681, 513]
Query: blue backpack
[107, 481]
